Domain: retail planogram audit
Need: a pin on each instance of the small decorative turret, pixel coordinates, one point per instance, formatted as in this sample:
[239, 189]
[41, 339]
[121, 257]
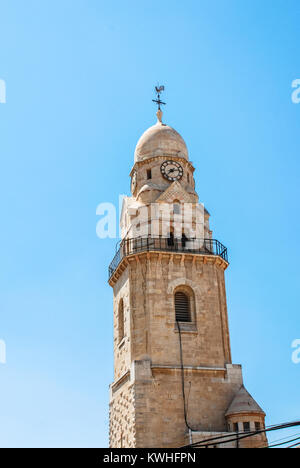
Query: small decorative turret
[245, 415]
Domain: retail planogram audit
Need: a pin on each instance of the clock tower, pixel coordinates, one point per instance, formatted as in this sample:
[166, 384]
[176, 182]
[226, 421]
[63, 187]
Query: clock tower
[174, 381]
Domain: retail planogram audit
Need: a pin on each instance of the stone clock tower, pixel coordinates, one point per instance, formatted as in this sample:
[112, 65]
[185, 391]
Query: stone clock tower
[174, 381]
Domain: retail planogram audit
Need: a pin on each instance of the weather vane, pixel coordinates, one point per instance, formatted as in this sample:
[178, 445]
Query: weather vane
[159, 90]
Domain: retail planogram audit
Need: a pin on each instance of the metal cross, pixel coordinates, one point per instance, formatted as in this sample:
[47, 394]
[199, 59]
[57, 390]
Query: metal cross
[159, 90]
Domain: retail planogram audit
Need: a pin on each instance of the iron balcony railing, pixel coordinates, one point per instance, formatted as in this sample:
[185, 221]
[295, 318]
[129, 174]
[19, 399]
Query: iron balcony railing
[163, 244]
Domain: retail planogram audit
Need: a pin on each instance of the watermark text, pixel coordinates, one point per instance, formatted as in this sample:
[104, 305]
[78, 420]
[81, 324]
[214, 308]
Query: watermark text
[2, 352]
[296, 353]
[296, 92]
[2, 92]
[151, 220]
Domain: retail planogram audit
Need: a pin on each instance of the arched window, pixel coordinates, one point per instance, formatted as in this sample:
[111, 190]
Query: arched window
[121, 320]
[182, 307]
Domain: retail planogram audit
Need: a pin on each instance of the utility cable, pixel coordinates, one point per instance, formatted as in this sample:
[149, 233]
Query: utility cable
[203, 443]
[292, 446]
[182, 380]
[283, 443]
[251, 434]
[281, 439]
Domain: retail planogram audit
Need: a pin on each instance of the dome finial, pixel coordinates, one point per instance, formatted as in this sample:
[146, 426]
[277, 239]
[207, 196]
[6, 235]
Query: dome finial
[159, 115]
[159, 90]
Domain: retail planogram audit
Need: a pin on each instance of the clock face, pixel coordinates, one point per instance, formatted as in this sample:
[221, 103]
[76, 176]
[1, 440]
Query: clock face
[133, 182]
[171, 170]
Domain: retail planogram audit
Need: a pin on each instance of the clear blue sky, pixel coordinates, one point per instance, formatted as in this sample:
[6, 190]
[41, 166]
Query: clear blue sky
[80, 78]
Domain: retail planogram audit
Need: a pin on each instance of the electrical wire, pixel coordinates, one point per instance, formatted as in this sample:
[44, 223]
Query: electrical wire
[280, 440]
[239, 437]
[293, 446]
[283, 443]
[284, 438]
[182, 380]
[251, 434]
[241, 433]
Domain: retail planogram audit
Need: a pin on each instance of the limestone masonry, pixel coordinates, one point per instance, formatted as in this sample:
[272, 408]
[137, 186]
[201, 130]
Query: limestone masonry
[174, 381]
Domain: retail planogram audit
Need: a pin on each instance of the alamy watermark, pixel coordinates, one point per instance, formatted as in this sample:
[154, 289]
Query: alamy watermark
[296, 353]
[150, 220]
[296, 93]
[2, 352]
[2, 92]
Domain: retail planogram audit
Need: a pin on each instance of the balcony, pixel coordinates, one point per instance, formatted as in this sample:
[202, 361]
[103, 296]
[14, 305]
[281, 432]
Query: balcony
[162, 244]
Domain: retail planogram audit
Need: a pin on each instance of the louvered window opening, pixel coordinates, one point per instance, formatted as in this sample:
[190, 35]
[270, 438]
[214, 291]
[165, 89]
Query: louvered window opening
[182, 307]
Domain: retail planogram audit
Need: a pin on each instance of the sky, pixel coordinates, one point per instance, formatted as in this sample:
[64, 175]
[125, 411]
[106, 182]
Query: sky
[79, 81]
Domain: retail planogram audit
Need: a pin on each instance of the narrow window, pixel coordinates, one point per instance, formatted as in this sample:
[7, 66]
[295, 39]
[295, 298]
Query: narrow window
[246, 427]
[176, 208]
[149, 174]
[236, 427]
[188, 177]
[121, 320]
[182, 307]
[257, 426]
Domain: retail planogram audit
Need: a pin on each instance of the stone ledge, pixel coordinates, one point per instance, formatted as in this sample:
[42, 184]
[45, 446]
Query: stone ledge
[121, 381]
[197, 368]
[201, 258]
[186, 327]
[163, 157]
